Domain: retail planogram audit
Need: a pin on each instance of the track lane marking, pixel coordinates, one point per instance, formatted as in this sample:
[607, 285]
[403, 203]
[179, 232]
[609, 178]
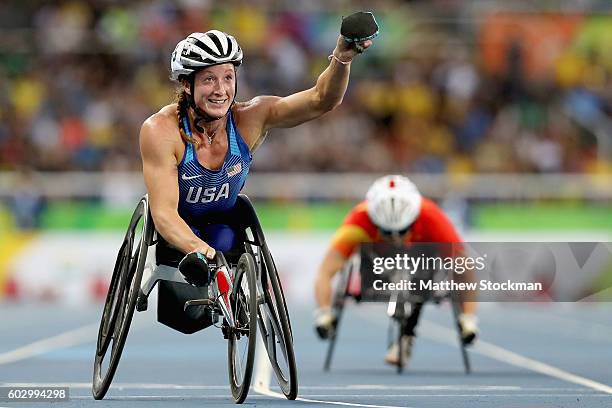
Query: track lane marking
[70, 338]
[263, 374]
[444, 335]
[342, 403]
[365, 387]
[66, 339]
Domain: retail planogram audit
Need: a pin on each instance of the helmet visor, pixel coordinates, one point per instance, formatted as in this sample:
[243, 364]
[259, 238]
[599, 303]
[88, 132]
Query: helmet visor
[391, 234]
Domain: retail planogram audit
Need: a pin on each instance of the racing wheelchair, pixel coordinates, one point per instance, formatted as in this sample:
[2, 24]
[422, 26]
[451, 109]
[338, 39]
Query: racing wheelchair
[400, 306]
[255, 295]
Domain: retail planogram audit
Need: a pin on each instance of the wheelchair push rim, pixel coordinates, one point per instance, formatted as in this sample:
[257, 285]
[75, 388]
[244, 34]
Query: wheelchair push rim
[121, 299]
[243, 337]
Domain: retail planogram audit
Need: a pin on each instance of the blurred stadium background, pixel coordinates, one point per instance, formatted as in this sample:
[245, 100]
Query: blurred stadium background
[500, 111]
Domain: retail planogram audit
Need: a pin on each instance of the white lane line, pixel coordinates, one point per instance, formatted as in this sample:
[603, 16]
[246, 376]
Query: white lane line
[445, 335]
[67, 339]
[226, 397]
[398, 396]
[579, 329]
[80, 335]
[350, 387]
[408, 396]
[342, 403]
[263, 374]
[263, 368]
[572, 396]
[127, 386]
[427, 387]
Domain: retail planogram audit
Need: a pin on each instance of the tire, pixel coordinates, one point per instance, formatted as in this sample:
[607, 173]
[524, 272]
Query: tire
[400, 348]
[243, 301]
[275, 328]
[456, 306]
[338, 302]
[121, 298]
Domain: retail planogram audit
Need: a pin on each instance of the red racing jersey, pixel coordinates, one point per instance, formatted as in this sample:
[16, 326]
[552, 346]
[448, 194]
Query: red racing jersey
[432, 225]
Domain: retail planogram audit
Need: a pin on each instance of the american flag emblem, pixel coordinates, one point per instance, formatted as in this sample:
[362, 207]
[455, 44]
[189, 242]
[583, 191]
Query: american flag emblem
[235, 169]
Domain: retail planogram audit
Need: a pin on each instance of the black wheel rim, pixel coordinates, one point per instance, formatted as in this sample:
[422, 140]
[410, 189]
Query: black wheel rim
[121, 300]
[338, 301]
[242, 342]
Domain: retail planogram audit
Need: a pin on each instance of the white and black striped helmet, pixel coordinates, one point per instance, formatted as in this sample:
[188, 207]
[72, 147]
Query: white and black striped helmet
[200, 50]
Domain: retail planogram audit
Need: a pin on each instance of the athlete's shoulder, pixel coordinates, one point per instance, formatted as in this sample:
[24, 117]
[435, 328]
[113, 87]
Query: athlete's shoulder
[429, 208]
[254, 111]
[431, 213]
[249, 116]
[257, 101]
[159, 134]
[358, 216]
[252, 107]
[164, 118]
[356, 229]
[434, 225]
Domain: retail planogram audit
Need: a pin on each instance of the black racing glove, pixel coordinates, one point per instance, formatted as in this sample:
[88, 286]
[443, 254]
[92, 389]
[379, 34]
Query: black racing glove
[194, 267]
[325, 322]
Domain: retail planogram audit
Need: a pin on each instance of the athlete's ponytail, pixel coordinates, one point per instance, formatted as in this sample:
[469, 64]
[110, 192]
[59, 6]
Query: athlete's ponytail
[182, 109]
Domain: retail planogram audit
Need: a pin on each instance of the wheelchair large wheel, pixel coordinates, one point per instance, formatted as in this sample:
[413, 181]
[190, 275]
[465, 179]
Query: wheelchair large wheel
[243, 338]
[400, 347]
[275, 327]
[338, 302]
[456, 306]
[121, 298]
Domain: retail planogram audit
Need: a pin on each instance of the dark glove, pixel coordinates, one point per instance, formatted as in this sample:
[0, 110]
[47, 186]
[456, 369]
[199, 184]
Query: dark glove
[325, 322]
[359, 27]
[194, 267]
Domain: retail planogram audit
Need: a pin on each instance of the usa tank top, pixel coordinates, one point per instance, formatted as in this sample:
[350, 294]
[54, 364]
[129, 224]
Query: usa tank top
[202, 190]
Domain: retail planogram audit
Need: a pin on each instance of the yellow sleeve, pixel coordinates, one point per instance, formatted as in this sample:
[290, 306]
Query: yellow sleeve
[348, 237]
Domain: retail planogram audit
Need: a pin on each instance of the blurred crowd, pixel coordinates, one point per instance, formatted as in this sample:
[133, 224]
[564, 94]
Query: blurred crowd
[77, 79]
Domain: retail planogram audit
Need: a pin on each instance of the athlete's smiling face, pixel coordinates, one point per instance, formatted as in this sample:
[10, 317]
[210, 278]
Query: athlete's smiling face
[215, 88]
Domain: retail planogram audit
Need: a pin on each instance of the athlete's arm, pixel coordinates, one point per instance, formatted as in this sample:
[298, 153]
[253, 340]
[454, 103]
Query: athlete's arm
[354, 231]
[332, 263]
[267, 112]
[161, 178]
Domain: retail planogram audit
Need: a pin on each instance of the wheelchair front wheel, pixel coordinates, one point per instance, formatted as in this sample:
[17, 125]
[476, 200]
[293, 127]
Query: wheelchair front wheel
[243, 338]
[121, 298]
